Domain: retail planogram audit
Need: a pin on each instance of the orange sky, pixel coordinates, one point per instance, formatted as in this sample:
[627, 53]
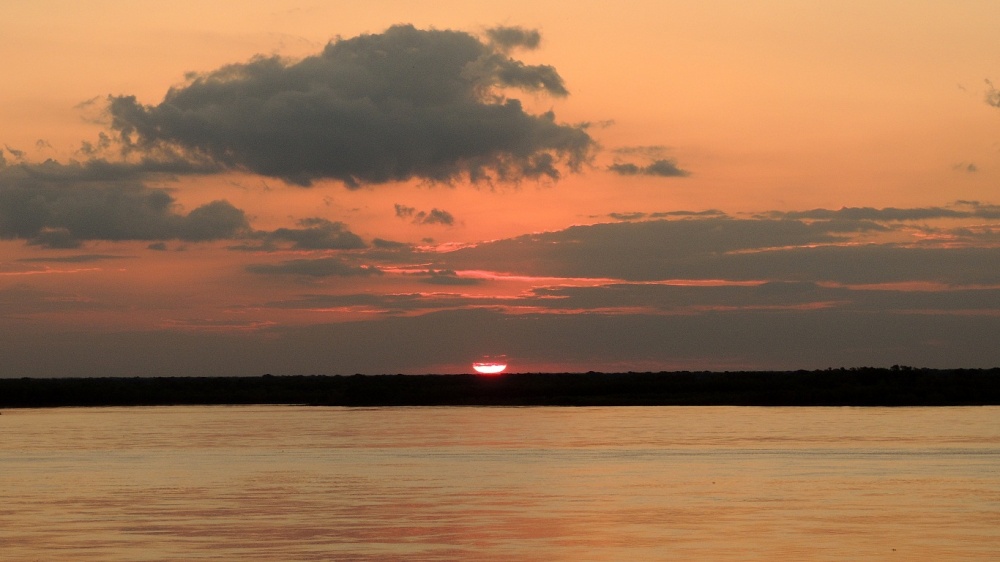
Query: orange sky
[766, 110]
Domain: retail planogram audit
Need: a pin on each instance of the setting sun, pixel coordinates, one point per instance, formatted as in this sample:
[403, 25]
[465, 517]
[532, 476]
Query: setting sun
[489, 367]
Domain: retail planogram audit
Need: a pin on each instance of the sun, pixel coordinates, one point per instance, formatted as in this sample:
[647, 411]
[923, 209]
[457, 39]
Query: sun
[490, 366]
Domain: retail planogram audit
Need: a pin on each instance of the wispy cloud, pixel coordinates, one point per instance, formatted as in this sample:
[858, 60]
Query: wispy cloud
[320, 267]
[661, 168]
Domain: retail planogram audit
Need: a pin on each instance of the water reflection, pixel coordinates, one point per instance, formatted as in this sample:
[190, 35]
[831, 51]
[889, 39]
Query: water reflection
[289, 483]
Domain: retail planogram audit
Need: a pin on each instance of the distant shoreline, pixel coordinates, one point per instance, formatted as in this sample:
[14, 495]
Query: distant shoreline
[834, 387]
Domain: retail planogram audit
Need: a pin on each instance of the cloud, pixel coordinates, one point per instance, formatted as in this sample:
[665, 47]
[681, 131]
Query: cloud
[22, 300]
[662, 168]
[381, 244]
[992, 94]
[434, 216]
[322, 267]
[961, 209]
[17, 154]
[733, 249]
[403, 212]
[405, 103]
[448, 277]
[510, 37]
[653, 152]
[636, 215]
[81, 258]
[627, 216]
[316, 234]
[60, 205]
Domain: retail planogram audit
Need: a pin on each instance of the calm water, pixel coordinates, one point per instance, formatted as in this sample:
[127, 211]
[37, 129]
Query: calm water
[293, 483]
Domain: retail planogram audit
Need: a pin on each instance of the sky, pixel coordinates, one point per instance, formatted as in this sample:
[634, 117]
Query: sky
[241, 188]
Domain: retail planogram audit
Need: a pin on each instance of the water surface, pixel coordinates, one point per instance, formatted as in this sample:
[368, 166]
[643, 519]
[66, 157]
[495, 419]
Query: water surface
[653, 483]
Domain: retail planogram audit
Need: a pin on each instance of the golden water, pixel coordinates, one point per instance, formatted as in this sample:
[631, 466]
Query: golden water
[664, 483]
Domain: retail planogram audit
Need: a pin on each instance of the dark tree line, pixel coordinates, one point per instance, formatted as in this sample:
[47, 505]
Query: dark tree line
[896, 386]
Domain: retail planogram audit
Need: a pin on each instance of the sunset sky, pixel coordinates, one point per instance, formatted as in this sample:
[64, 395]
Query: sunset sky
[240, 188]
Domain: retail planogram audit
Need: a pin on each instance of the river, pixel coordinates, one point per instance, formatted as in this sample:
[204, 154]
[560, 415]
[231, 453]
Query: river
[462, 483]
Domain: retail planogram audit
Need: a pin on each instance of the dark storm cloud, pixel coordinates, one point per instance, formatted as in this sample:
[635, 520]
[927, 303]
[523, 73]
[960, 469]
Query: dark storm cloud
[724, 248]
[321, 267]
[406, 103]
[662, 168]
[59, 205]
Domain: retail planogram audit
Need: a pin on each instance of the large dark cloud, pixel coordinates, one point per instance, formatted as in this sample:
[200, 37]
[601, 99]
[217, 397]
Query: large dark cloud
[406, 103]
[60, 205]
[733, 249]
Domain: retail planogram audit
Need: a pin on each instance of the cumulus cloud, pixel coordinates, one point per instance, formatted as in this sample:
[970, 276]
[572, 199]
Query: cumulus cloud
[405, 103]
[663, 168]
[60, 205]
[321, 267]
